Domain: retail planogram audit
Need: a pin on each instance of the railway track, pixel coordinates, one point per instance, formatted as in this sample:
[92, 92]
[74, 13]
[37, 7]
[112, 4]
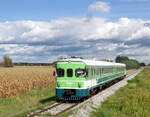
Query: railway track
[61, 107]
[54, 109]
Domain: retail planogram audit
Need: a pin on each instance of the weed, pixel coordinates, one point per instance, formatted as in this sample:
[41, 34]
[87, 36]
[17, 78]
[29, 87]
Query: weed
[132, 100]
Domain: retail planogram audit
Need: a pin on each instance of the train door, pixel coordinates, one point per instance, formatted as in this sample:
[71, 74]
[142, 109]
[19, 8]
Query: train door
[92, 74]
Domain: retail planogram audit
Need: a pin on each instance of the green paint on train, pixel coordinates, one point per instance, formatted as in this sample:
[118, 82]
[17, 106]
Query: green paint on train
[75, 78]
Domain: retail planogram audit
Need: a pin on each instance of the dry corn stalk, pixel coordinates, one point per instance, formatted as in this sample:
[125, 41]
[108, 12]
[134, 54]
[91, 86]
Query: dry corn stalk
[23, 79]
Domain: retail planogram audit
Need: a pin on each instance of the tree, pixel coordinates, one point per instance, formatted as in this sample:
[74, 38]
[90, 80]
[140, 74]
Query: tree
[130, 63]
[120, 59]
[142, 64]
[7, 61]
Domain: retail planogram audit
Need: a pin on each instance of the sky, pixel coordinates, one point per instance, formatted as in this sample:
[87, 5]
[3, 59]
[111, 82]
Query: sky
[43, 30]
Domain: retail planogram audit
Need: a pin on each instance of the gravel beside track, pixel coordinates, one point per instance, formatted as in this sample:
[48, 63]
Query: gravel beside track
[61, 108]
[54, 109]
[84, 109]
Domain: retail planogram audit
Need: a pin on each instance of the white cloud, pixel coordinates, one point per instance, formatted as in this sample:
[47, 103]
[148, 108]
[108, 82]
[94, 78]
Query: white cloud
[141, 33]
[99, 6]
[74, 36]
[95, 29]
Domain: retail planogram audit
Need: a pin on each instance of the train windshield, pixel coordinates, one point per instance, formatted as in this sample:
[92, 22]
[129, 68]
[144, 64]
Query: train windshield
[81, 73]
[69, 72]
[60, 72]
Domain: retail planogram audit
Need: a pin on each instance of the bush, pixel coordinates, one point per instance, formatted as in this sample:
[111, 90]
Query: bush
[8, 61]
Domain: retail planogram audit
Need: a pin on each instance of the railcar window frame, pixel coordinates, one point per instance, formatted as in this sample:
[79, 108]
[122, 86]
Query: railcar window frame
[70, 73]
[60, 72]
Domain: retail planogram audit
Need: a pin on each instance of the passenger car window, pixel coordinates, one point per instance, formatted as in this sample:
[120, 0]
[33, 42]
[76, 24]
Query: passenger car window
[108, 70]
[120, 69]
[69, 72]
[60, 72]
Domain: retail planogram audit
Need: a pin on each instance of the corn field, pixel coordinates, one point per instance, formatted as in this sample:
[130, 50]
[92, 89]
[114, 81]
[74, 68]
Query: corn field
[22, 79]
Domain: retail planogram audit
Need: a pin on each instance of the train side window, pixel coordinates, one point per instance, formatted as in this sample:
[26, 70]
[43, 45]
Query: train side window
[81, 73]
[69, 72]
[97, 71]
[94, 71]
[60, 72]
[120, 69]
[87, 70]
[108, 70]
[91, 71]
[100, 71]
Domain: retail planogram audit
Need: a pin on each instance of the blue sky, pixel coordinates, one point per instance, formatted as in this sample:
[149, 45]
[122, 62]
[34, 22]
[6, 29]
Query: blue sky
[45, 10]
[42, 9]
[42, 30]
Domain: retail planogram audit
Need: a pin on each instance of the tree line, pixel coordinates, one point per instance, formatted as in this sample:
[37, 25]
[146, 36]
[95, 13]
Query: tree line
[130, 63]
[8, 62]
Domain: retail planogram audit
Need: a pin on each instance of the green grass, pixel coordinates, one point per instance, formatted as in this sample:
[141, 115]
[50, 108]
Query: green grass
[21, 105]
[132, 100]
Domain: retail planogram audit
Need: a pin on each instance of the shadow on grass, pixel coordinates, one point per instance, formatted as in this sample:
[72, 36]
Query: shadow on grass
[43, 101]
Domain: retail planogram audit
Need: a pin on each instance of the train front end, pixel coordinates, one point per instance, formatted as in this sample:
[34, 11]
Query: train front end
[70, 80]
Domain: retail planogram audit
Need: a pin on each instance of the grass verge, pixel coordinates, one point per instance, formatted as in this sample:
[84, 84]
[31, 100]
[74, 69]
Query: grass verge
[133, 100]
[23, 104]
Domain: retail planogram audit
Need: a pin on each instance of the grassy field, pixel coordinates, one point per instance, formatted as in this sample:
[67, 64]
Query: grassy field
[20, 80]
[132, 100]
[23, 104]
[25, 89]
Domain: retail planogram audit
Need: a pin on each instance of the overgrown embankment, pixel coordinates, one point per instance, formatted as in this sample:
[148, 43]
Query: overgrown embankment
[132, 100]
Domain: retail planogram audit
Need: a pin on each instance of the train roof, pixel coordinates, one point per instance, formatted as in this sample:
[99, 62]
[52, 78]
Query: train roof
[93, 62]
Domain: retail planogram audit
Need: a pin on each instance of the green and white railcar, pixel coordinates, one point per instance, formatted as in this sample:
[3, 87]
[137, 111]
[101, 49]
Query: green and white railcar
[77, 78]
